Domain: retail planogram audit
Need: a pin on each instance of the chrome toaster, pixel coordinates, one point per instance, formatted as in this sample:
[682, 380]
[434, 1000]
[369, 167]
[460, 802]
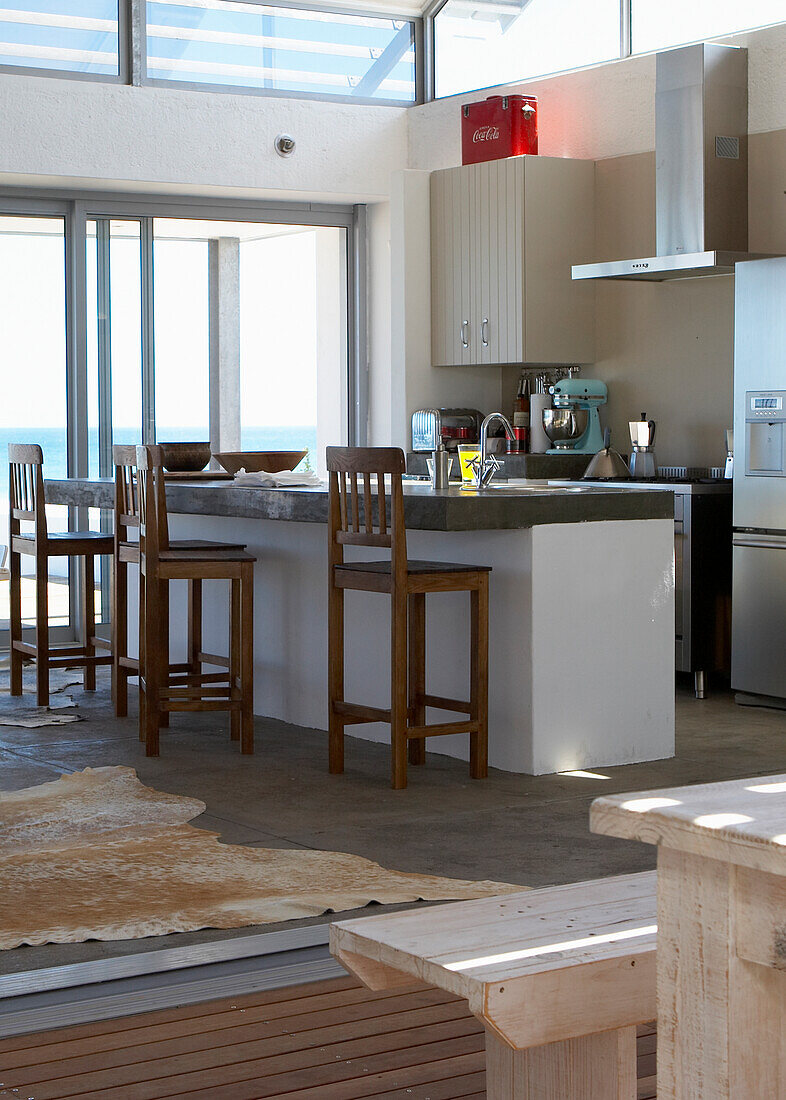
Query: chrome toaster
[458, 426]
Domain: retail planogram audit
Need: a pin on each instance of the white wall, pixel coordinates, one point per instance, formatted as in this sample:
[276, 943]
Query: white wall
[84, 133]
[381, 414]
[604, 111]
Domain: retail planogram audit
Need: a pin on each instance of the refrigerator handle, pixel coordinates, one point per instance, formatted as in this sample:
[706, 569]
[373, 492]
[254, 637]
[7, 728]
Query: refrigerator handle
[761, 542]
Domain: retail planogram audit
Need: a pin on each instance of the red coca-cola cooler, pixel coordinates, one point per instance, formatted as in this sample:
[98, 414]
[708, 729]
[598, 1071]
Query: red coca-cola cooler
[498, 127]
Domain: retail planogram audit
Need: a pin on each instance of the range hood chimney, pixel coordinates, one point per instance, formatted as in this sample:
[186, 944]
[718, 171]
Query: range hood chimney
[701, 168]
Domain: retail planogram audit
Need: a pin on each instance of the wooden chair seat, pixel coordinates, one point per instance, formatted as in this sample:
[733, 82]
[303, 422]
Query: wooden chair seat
[204, 544]
[560, 977]
[65, 543]
[357, 519]
[129, 551]
[413, 566]
[207, 555]
[27, 504]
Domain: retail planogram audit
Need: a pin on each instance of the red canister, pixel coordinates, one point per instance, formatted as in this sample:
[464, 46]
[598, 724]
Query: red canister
[498, 127]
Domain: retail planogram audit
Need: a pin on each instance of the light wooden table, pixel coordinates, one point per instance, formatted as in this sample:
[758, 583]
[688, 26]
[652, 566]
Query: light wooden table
[559, 977]
[721, 933]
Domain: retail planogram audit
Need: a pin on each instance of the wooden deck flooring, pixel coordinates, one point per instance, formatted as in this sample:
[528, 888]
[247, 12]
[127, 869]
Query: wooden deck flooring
[331, 1040]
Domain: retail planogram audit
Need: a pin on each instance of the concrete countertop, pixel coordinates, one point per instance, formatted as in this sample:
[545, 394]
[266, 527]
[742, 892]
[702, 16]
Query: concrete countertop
[679, 488]
[512, 507]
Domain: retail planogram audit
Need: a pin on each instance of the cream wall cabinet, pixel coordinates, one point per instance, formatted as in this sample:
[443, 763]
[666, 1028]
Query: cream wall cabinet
[504, 235]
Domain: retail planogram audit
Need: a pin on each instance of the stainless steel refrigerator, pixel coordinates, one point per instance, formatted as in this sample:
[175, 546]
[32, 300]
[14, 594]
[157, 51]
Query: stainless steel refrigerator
[758, 666]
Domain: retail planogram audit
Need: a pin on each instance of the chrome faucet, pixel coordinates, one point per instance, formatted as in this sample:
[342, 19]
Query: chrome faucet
[486, 465]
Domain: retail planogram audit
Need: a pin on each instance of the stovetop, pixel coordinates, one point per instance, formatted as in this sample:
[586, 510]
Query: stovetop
[661, 479]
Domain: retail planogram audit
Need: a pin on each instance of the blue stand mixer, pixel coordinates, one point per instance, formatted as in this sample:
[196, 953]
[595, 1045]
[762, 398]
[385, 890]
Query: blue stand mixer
[573, 424]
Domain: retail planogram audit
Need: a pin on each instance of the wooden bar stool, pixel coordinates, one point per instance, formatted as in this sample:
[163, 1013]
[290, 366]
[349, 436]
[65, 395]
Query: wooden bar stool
[26, 503]
[126, 552]
[162, 689]
[407, 583]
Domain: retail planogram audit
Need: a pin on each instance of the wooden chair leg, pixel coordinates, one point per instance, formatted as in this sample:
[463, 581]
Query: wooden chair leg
[417, 673]
[15, 624]
[479, 674]
[236, 627]
[42, 629]
[142, 650]
[335, 677]
[398, 689]
[163, 717]
[194, 625]
[247, 657]
[120, 637]
[155, 668]
[89, 617]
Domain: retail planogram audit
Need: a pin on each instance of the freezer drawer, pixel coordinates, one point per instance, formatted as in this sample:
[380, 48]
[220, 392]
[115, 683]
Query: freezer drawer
[758, 650]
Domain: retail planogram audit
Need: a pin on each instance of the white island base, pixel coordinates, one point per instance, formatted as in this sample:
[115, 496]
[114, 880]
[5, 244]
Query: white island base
[581, 636]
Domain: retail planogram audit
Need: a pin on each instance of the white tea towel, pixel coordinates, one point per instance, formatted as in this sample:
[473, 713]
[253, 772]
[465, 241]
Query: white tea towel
[287, 479]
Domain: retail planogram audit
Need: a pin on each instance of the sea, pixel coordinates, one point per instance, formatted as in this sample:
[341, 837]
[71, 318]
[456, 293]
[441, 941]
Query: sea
[270, 437]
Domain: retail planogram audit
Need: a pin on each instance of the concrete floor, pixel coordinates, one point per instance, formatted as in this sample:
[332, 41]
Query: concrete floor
[514, 828]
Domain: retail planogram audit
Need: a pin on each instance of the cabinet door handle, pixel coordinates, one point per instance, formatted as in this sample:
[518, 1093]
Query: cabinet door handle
[484, 332]
[465, 334]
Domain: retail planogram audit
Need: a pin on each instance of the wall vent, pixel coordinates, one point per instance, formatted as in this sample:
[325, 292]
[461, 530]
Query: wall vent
[727, 147]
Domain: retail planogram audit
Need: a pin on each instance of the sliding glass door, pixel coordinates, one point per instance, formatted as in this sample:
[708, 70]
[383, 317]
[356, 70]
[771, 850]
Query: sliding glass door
[113, 268]
[33, 405]
[131, 321]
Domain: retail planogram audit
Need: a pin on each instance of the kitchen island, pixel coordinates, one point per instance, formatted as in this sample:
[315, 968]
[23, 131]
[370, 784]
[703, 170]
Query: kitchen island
[581, 611]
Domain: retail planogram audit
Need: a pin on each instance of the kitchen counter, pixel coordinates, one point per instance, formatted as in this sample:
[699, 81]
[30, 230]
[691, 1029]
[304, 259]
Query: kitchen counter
[679, 487]
[506, 506]
[581, 605]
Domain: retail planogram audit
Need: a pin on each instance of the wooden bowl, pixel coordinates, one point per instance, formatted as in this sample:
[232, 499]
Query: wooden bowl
[185, 456]
[273, 462]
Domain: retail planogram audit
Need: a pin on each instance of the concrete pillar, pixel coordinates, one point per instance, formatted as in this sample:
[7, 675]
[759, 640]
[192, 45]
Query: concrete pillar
[331, 308]
[224, 330]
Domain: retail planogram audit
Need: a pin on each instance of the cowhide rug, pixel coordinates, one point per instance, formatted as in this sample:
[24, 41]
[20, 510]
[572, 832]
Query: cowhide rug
[97, 855]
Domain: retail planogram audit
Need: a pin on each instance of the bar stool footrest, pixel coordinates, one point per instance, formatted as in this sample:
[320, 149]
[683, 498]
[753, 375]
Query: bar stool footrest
[441, 729]
[439, 702]
[213, 659]
[354, 713]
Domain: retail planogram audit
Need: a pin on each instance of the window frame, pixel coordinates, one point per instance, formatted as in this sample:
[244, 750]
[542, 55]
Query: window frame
[132, 58]
[77, 208]
[429, 62]
[276, 93]
[434, 7]
[123, 56]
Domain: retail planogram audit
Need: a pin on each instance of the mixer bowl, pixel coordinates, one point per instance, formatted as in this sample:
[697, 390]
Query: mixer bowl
[564, 425]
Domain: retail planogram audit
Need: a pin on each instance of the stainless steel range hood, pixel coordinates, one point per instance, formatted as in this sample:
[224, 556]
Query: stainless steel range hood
[701, 168]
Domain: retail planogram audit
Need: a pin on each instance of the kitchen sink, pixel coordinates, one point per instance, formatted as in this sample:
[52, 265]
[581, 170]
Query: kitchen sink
[525, 485]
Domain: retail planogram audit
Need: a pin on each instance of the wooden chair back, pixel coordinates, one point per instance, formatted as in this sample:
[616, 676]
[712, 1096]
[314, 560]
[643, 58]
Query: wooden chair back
[351, 517]
[26, 487]
[153, 525]
[126, 491]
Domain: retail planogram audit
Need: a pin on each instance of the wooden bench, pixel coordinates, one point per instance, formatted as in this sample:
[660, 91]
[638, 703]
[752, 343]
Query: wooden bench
[722, 938]
[559, 977]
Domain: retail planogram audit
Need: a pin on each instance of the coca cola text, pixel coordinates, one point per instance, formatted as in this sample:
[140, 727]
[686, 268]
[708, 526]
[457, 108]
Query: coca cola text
[485, 133]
